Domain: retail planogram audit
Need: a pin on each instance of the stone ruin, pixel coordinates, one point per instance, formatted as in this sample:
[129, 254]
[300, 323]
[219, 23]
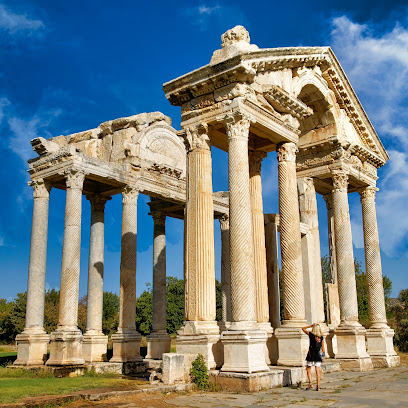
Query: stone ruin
[248, 102]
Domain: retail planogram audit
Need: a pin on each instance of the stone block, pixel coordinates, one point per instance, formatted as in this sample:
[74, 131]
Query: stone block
[244, 351]
[157, 345]
[126, 347]
[293, 346]
[31, 348]
[380, 347]
[173, 368]
[65, 348]
[94, 347]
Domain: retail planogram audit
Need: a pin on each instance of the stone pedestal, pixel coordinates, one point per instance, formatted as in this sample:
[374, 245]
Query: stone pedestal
[380, 347]
[32, 342]
[293, 346]
[66, 348]
[126, 347]
[244, 351]
[351, 348]
[94, 346]
[157, 344]
[31, 348]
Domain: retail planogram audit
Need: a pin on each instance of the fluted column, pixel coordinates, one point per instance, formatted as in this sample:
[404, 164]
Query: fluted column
[126, 342]
[313, 282]
[66, 342]
[158, 342]
[225, 270]
[379, 335]
[32, 342]
[292, 274]
[351, 342]
[258, 237]
[94, 345]
[344, 250]
[292, 343]
[200, 332]
[238, 356]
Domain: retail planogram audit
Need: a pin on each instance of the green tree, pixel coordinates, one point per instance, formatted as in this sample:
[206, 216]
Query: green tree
[144, 311]
[175, 304]
[51, 310]
[110, 317]
[218, 300]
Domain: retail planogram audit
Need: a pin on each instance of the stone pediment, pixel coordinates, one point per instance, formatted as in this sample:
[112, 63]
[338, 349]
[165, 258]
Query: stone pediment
[287, 72]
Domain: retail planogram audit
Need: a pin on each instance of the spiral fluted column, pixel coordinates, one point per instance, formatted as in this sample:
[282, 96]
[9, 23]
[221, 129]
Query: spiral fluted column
[32, 342]
[126, 341]
[158, 342]
[225, 270]
[66, 341]
[94, 346]
[379, 336]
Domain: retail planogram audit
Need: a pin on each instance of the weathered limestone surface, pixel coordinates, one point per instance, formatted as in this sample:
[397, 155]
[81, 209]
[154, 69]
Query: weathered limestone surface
[379, 335]
[32, 342]
[66, 341]
[94, 345]
[126, 341]
[158, 342]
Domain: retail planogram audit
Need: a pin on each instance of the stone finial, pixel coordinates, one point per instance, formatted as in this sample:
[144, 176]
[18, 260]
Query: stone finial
[234, 35]
[234, 41]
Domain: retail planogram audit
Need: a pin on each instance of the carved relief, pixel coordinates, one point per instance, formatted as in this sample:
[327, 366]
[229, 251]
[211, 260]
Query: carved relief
[287, 152]
[224, 222]
[197, 137]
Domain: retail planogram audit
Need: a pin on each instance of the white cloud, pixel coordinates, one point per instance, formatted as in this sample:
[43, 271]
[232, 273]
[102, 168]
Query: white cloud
[207, 10]
[13, 22]
[3, 103]
[23, 131]
[377, 64]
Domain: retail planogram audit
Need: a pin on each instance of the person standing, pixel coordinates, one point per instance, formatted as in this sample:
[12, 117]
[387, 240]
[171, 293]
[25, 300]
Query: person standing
[316, 354]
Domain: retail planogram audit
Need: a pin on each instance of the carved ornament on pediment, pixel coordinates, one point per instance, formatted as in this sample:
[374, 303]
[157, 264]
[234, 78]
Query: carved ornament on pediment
[286, 152]
[130, 195]
[165, 170]
[98, 202]
[224, 222]
[367, 194]
[41, 188]
[234, 91]
[255, 161]
[197, 137]
[74, 179]
[159, 217]
[340, 180]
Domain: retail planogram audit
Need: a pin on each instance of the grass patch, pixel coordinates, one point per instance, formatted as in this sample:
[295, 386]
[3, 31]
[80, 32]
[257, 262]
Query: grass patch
[7, 358]
[20, 383]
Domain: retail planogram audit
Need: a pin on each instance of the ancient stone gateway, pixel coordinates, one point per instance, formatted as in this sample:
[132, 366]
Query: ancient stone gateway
[247, 102]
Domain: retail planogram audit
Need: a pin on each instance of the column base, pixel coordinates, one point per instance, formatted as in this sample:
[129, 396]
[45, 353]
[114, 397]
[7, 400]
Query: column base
[94, 347]
[351, 347]
[244, 351]
[201, 337]
[293, 346]
[270, 343]
[66, 348]
[32, 347]
[157, 344]
[380, 347]
[126, 347]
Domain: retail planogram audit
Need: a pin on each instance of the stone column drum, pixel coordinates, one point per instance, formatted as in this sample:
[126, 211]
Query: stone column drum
[292, 342]
[225, 273]
[94, 345]
[200, 332]
[379, 336]
[244, 344]
[312, 273]
[259, 249]
[126, 341]
[158, 342]
[66, 341]
[350, 334]
[32, 342]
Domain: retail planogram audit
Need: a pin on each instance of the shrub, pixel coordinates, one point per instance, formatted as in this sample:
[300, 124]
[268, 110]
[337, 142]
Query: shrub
[199, 373]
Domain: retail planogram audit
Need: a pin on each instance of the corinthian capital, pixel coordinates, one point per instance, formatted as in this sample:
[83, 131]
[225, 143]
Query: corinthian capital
[237, 126]
[340, 180]
[75, 179]
[130, 195]
[197, 137]
[224, 222]
[159, 217]
[287, 152]
[41, 188]
[367, 194]
[98, 202]
[255, 162]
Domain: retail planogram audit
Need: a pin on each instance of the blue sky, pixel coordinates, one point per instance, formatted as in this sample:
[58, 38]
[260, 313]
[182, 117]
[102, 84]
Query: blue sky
[68, 66]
